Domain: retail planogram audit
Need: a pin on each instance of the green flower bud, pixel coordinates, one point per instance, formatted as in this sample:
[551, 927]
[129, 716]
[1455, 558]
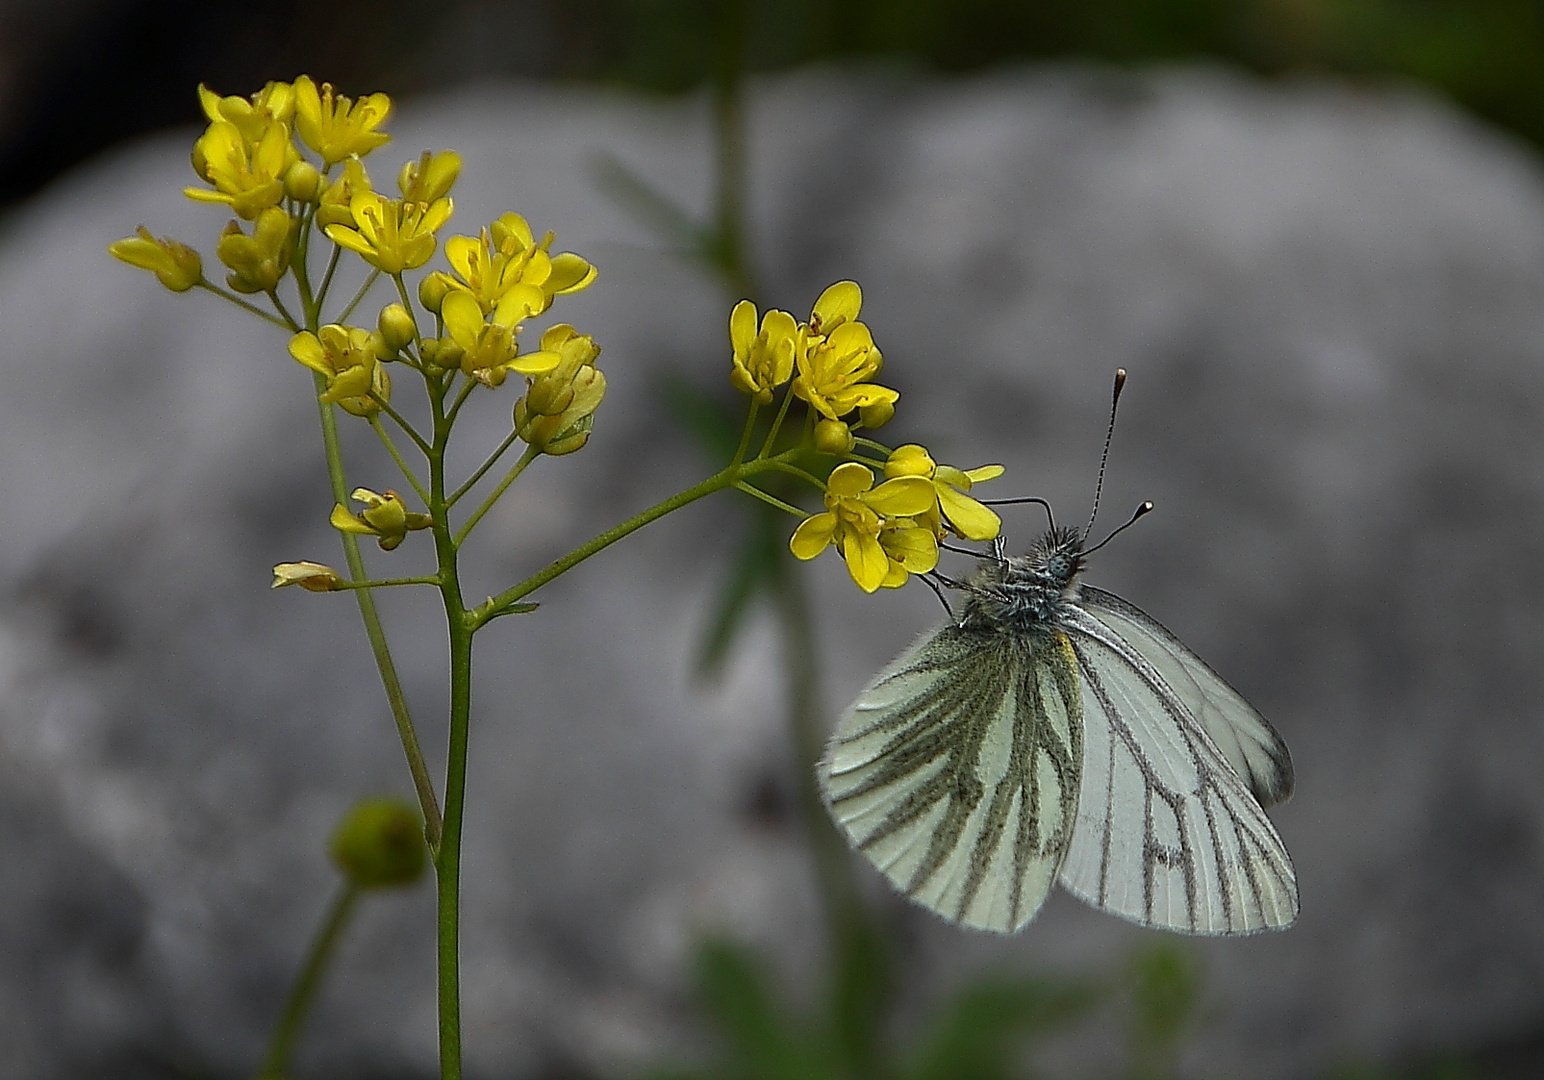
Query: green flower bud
[397, 328]
[876, 415]
[379, 844]
[302, 182]
[833, 437]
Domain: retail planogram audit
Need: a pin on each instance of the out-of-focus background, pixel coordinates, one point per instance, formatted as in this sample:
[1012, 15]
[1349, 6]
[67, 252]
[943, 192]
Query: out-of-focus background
[1313, 232]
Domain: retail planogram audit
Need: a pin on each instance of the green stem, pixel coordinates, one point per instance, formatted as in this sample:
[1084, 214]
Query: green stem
[360, 295]
[447, 858]
[303, 994]
[401, 422]
[530, 455]
[391, 447]
[745, 434]
[455, 406]
[794, 470]
[782, 411]
[386, 583]
[482, 470]
[728, 478]
[332, 266]
[770, 500]
[376, 633]
[209, 286]
[880, 448]
[273, 297]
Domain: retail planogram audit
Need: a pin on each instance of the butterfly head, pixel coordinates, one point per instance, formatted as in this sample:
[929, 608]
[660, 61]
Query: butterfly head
[1023, 592]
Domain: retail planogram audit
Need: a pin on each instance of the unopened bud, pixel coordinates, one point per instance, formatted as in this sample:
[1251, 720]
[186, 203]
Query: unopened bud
[302, 182]
[876, 415]
[379, 844]
[833, 437]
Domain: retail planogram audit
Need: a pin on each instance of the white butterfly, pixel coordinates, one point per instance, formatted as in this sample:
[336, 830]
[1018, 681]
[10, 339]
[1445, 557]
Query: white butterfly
[1057, 733]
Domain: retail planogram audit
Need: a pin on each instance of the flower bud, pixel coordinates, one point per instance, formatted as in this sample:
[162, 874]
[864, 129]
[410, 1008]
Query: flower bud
[379, 844]
[313, 577]
[259, 261]
[302, 182]
[909, 460]
[430, 177]
[397, 328]
[833, 437]
[174, 264]
[432, 290]
[876, 415]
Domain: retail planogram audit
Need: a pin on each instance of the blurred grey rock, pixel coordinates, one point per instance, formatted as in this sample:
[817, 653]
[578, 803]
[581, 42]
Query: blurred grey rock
[1329, 302]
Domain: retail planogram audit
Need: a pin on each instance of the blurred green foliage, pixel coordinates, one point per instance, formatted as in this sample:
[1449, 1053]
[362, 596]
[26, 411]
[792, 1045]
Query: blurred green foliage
[1486, 54]
[982, 1031]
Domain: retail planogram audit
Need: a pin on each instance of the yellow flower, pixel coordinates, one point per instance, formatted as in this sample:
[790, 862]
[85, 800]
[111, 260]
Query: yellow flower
[966, 516]
[384, 516]
[349, 357]
[505, 266]
[857, 514]
[488, 349]
[430, 177]
[251, 116]
[762, 360]
[247, 174]
[337, 127]
[338, 196]
[174, 264]
[313, 577]
[835, 353]
[258, 261]
[558, 408]
[391, 235]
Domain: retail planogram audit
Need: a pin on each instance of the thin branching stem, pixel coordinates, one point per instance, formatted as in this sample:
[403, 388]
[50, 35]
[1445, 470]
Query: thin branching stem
[482, 470]
[266, 316]
[530, 455]
[391, 448]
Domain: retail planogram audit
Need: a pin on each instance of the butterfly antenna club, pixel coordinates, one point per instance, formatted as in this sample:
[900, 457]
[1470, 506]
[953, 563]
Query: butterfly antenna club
[1145, 508]
[1120, 382]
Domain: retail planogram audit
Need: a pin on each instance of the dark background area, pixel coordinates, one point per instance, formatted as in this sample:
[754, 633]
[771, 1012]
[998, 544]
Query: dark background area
[77, 76]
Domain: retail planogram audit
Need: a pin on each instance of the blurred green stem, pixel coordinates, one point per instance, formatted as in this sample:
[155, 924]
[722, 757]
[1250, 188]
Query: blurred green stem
[303, 994]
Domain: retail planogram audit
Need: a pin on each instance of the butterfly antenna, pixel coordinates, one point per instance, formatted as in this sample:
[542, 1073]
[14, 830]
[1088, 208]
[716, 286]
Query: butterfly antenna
[1050, 515]
[1120, 381]
[1143, 509]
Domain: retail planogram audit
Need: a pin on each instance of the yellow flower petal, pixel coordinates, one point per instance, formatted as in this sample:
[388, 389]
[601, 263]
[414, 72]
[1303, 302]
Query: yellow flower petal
[902, 497]
[742, 327]
[837, 305]
[970, 518]
[866, 560]
[849, 479]
[914, 549]
[812, 536]
[985, 472]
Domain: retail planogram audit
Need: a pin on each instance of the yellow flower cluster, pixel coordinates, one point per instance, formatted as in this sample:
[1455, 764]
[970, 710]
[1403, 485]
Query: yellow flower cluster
[287, 163]
[885, 533]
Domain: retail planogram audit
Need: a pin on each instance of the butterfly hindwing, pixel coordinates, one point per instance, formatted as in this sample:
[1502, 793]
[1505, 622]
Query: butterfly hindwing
[1246, 739]
[957, 770]
[1167, 833]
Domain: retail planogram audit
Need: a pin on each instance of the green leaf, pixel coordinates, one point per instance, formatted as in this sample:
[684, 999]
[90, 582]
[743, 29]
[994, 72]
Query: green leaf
[986, 1027]
[860, 993]
[753, 572]
[762, 1042]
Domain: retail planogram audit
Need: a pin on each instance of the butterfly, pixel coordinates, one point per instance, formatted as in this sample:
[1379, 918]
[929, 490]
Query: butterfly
[1056, 733]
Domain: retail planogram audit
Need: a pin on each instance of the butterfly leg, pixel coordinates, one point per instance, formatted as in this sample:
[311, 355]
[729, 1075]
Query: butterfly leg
[939, 592]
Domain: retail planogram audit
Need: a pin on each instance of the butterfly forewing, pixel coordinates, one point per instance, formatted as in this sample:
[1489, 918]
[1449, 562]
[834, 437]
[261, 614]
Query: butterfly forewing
[1243, 736]
[1167, 833]
[956, 772]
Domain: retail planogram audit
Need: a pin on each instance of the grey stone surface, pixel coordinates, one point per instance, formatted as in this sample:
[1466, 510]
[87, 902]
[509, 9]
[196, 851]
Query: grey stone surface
[1329, 302]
